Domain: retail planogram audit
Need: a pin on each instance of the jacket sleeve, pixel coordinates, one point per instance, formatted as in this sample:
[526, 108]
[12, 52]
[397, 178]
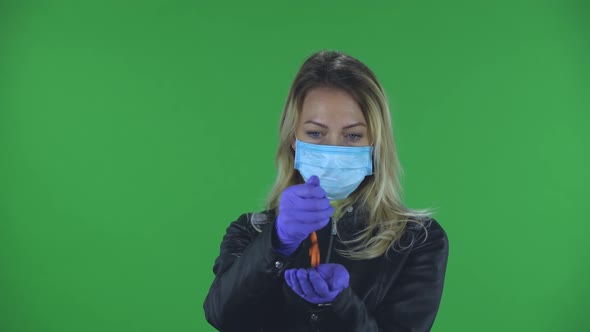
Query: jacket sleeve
[246, 271]
[413, 300]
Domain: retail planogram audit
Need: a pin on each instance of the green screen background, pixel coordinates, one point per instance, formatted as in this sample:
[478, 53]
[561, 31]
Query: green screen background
[133, 133]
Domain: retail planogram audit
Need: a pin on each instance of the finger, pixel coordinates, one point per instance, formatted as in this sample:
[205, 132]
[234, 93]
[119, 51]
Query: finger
[310, 217]
[340, 282]
[289, 277]
[317, 192]
[313, 181]
[310, 204]
[304, 282]
[340, 277]
[326, 213]
[333, 294]
[295, 286]
[326, 271]
[320, 204]
[318, 283]
[308, 191]
[307, 204]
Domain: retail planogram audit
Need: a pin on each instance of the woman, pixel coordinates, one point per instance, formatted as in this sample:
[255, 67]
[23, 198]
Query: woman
[380, 265]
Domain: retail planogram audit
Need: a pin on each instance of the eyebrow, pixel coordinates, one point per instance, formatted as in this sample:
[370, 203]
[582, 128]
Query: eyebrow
[345, 127]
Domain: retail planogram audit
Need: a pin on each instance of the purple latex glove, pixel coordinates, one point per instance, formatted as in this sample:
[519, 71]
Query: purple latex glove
[303, 208]
[318, 285]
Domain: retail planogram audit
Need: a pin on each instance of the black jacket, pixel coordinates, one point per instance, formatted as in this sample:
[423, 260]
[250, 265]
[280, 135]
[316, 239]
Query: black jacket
[400, 291]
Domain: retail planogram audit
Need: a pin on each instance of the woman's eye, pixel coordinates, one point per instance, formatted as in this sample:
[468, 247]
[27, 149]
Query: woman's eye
[314, 134]
[354, 137]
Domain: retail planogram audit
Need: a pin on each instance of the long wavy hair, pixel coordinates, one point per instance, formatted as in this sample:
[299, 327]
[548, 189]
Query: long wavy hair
[379, 194]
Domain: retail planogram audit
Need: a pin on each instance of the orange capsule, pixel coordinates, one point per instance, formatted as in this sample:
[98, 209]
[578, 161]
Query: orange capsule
[314, 250]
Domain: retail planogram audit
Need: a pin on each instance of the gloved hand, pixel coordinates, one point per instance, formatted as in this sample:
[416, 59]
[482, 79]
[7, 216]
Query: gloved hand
[303, 208]
[318, 285]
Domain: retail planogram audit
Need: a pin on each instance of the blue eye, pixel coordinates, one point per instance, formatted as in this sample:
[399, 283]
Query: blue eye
[313, 134]
[354, 137]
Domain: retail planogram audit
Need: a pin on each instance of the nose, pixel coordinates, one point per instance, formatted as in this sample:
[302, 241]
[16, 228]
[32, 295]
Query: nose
[333, 139]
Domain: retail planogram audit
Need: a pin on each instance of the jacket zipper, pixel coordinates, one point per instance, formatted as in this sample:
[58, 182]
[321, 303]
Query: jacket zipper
[332, 235]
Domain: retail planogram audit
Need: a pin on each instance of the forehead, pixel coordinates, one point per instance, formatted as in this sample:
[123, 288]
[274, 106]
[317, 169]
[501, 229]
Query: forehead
[331, 105]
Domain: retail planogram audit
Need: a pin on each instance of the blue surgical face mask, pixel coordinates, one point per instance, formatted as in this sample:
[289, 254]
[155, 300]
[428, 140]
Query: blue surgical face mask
[341, 169]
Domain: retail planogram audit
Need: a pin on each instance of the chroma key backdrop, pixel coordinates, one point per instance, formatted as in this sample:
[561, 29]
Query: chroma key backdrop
[133, 132]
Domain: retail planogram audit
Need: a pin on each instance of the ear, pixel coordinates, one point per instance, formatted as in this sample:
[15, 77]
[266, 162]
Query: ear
[293, 143]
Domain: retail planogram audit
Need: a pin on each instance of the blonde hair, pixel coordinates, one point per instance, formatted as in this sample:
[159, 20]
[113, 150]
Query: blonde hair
[379, 193]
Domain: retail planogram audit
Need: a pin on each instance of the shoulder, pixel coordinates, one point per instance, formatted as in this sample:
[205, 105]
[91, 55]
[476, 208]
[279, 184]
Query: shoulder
[425, 234]
[428, 226]
[257, 220]
[252, 222]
